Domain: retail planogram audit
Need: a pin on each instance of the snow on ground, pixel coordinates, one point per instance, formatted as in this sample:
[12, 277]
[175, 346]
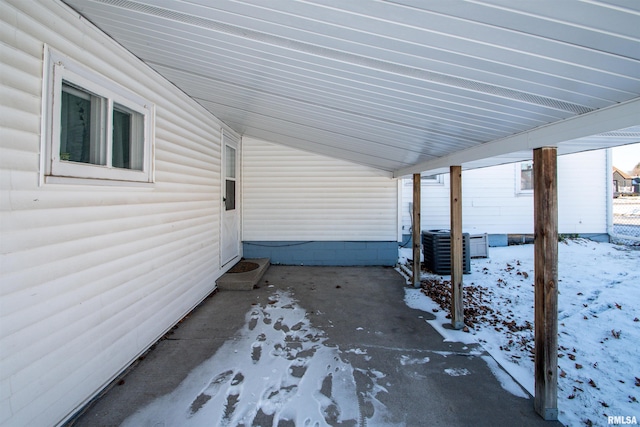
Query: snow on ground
[277, 371]
[598, 323]
[626, 207]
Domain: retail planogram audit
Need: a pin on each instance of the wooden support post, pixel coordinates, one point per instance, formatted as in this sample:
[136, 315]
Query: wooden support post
[417, 237]
[545, 206]
[457, 308]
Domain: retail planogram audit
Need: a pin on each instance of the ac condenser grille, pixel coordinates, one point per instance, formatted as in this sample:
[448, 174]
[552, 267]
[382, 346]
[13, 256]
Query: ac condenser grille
[436, 248]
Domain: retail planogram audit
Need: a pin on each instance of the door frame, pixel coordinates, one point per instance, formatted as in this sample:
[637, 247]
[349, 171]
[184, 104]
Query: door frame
[227, 138]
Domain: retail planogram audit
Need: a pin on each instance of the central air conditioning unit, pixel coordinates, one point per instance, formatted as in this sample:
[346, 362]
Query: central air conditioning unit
[436, 248]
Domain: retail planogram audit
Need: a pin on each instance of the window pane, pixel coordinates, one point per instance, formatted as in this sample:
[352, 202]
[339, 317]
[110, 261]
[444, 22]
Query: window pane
[81, 130]
[526, 176]
[230, 196]
[127, 147]
[230, 162]
[430, 179]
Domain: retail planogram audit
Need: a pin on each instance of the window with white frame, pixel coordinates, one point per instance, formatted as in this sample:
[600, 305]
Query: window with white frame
[432, 179]
[95, 128]
[524, 177]
[427, 180]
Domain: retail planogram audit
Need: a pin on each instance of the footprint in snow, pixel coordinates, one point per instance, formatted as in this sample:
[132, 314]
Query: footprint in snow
[211, 391]
[297, 370]
[266, 317]
[229, 409]
[594, 295]
[237, 379]
[253, 321]
[256, 352]
[278, 326]
[233, 397]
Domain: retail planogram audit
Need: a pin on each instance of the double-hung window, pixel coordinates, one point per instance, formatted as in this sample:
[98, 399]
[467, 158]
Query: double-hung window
[95, 128]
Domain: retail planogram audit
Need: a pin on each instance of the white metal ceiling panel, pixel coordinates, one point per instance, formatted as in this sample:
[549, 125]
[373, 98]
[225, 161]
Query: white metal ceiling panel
[397, 85]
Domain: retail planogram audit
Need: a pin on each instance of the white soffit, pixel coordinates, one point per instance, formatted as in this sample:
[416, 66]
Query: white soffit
[403, 86]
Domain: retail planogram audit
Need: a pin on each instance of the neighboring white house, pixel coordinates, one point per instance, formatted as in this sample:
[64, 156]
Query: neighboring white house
[498, 200]
[115, 230]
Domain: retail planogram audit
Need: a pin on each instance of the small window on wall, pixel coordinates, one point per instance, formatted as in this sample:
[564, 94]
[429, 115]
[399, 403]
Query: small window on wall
[431, 179]
[95, 129]
[426, 180]
[524, 177]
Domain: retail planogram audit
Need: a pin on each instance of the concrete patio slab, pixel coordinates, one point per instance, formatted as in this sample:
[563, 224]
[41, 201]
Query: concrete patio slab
[336, 346]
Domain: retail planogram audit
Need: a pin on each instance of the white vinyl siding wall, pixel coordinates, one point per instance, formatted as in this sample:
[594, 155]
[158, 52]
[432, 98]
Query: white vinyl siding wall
[289, 194]
[582, 192]
[492, 205]
[92, 275]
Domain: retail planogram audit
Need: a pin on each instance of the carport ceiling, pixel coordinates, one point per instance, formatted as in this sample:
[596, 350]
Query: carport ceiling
[403, 86]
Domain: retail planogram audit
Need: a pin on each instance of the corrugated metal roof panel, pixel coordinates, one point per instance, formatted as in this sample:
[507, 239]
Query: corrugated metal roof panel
[394, 85]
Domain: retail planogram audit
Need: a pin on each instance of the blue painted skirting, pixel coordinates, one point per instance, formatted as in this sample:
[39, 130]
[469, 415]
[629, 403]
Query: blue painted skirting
[324, 253]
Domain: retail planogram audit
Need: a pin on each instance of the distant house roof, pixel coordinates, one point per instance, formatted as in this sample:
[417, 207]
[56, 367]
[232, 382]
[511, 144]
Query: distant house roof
[622, 174]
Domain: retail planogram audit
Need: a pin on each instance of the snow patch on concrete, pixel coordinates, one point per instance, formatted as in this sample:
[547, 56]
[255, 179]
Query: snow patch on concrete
[457, 372]
[504, 379]
[278, 368]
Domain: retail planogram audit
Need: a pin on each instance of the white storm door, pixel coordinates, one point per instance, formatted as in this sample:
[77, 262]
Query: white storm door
[230, 239]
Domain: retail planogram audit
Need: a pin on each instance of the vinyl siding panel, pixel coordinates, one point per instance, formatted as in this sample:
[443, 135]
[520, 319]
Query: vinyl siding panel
[92, 275]
[291, 195]
[491, 205]
[582, 192]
